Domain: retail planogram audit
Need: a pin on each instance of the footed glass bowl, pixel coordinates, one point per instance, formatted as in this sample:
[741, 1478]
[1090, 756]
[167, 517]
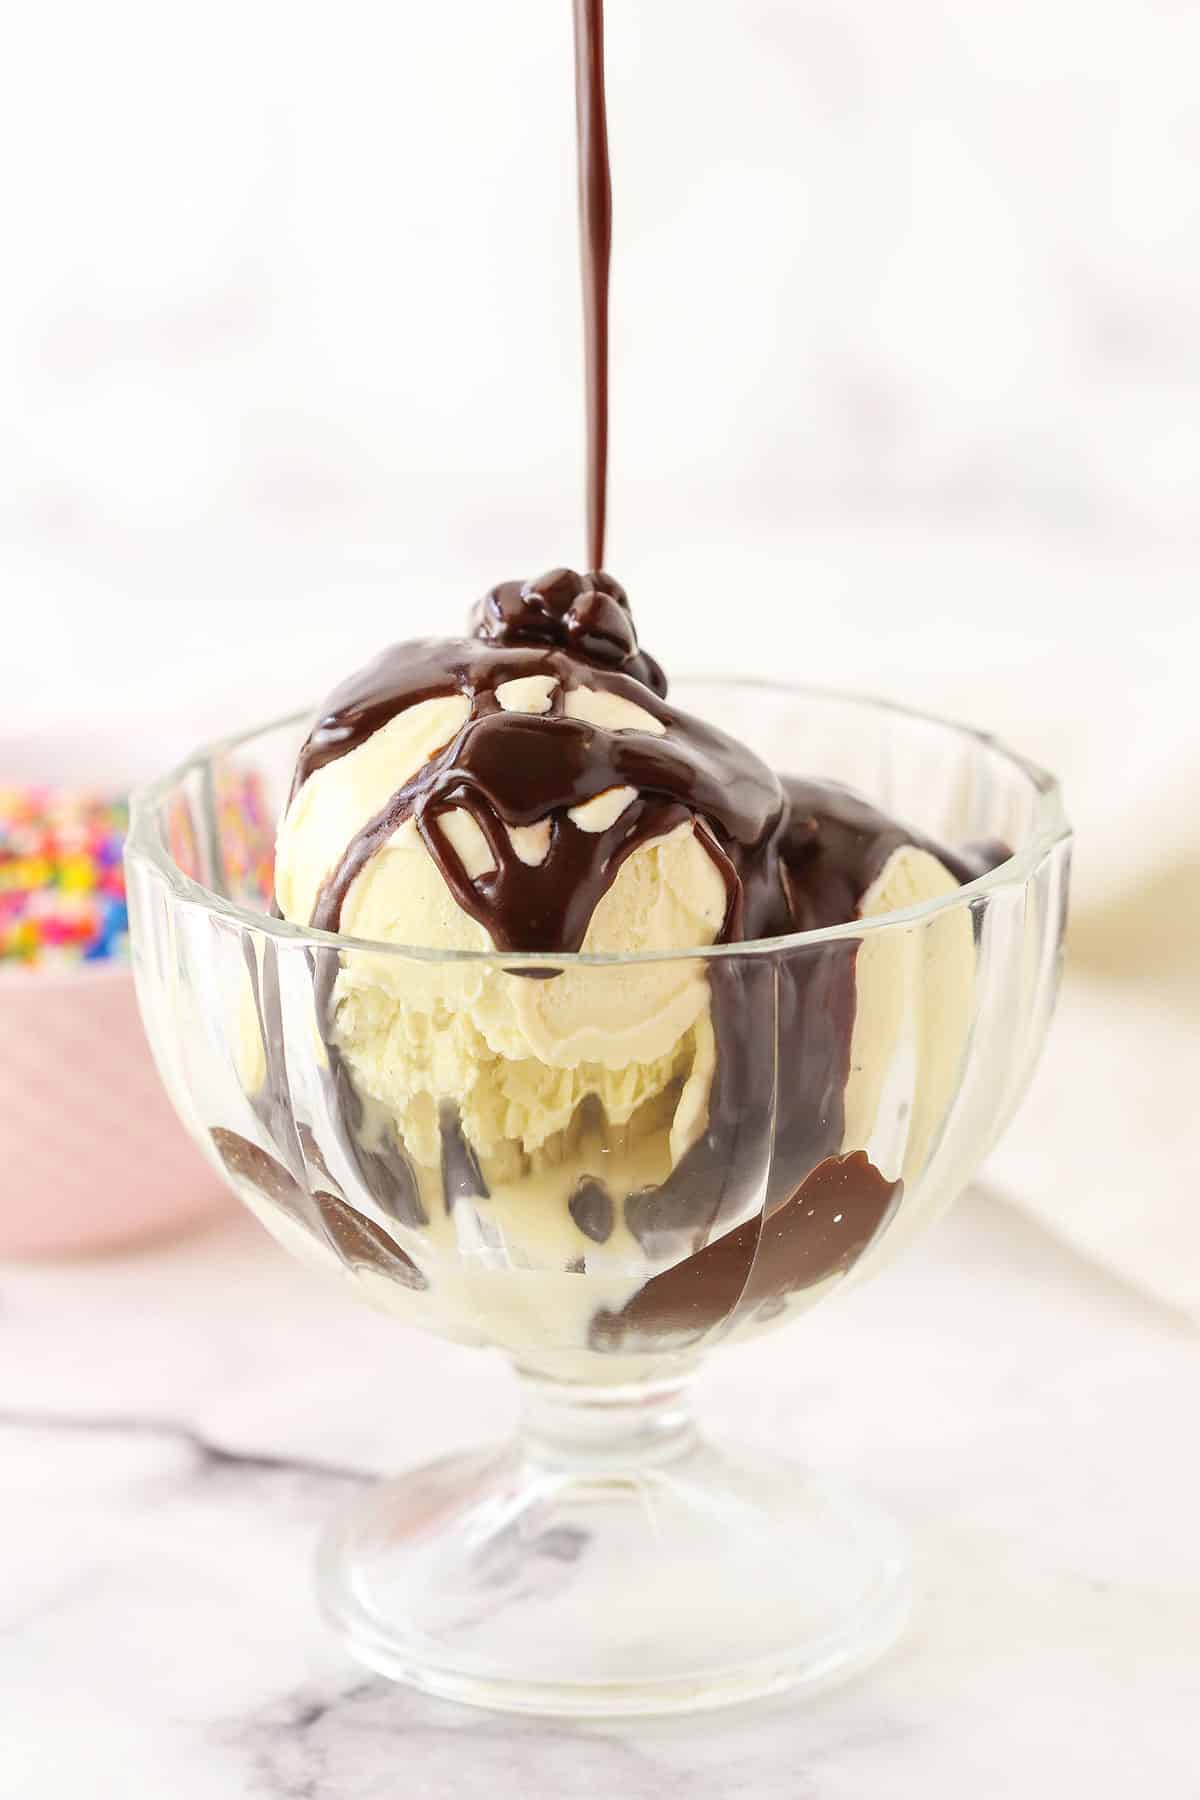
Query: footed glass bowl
[709, 1143]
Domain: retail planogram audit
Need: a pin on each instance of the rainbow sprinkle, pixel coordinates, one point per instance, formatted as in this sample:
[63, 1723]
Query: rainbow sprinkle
[62, 884]
[62, 888]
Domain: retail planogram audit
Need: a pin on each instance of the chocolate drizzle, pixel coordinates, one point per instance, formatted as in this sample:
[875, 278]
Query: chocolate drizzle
[513, 769]
[794, 855]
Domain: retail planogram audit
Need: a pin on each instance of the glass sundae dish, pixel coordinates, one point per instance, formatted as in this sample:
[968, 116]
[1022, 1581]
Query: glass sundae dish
[573, 1030]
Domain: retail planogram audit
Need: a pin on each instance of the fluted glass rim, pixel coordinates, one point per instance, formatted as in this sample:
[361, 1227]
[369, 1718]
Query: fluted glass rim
[146, 846]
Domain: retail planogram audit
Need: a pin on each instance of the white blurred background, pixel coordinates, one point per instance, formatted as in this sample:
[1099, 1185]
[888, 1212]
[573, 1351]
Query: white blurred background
[906, 360]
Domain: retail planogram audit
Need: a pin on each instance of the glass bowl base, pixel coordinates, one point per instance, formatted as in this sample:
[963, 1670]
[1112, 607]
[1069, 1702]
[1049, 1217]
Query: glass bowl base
[533, 1583]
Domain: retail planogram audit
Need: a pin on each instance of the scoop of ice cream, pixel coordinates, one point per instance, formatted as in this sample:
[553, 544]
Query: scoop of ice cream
[515, 1057]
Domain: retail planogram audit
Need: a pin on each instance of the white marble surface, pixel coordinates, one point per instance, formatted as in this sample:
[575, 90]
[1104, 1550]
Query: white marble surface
[177, 1424]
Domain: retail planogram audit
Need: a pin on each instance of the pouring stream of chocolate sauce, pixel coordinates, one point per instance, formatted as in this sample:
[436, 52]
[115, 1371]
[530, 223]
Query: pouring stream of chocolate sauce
[595, 228]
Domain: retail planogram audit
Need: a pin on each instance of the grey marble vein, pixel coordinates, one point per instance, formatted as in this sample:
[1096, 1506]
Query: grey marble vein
[371, 1741]
[209, 1456]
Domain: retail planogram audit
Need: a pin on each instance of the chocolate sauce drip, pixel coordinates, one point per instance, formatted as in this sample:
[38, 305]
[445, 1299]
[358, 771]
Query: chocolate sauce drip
[247, 1162]
[511, 769]
[358, 1240]
[794, 855]
[595, 226]
[835, 844]
[784, 1025]
[361, 1243]
[820, 1231]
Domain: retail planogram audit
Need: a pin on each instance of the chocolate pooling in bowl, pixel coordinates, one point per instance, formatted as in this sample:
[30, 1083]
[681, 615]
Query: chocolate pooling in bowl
[820, 1231]
[358, 1240]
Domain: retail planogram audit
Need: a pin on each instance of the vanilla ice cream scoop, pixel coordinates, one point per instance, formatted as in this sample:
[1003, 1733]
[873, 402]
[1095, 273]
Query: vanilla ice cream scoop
[531, 789]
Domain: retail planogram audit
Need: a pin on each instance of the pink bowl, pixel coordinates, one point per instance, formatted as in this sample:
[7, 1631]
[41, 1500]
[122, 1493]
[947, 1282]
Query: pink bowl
[91, 1152]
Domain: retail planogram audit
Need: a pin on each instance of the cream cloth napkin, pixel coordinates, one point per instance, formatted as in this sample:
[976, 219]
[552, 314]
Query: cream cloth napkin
[1106, 1150]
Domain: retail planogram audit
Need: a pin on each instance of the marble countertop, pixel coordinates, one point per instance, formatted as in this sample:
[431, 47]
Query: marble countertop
[176, 1425]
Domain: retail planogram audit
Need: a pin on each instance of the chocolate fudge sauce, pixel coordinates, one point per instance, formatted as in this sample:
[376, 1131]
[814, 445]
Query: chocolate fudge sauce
[595, 230]
[820, 1231]
[793, 855]
[360, 1242]
[512, 769]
